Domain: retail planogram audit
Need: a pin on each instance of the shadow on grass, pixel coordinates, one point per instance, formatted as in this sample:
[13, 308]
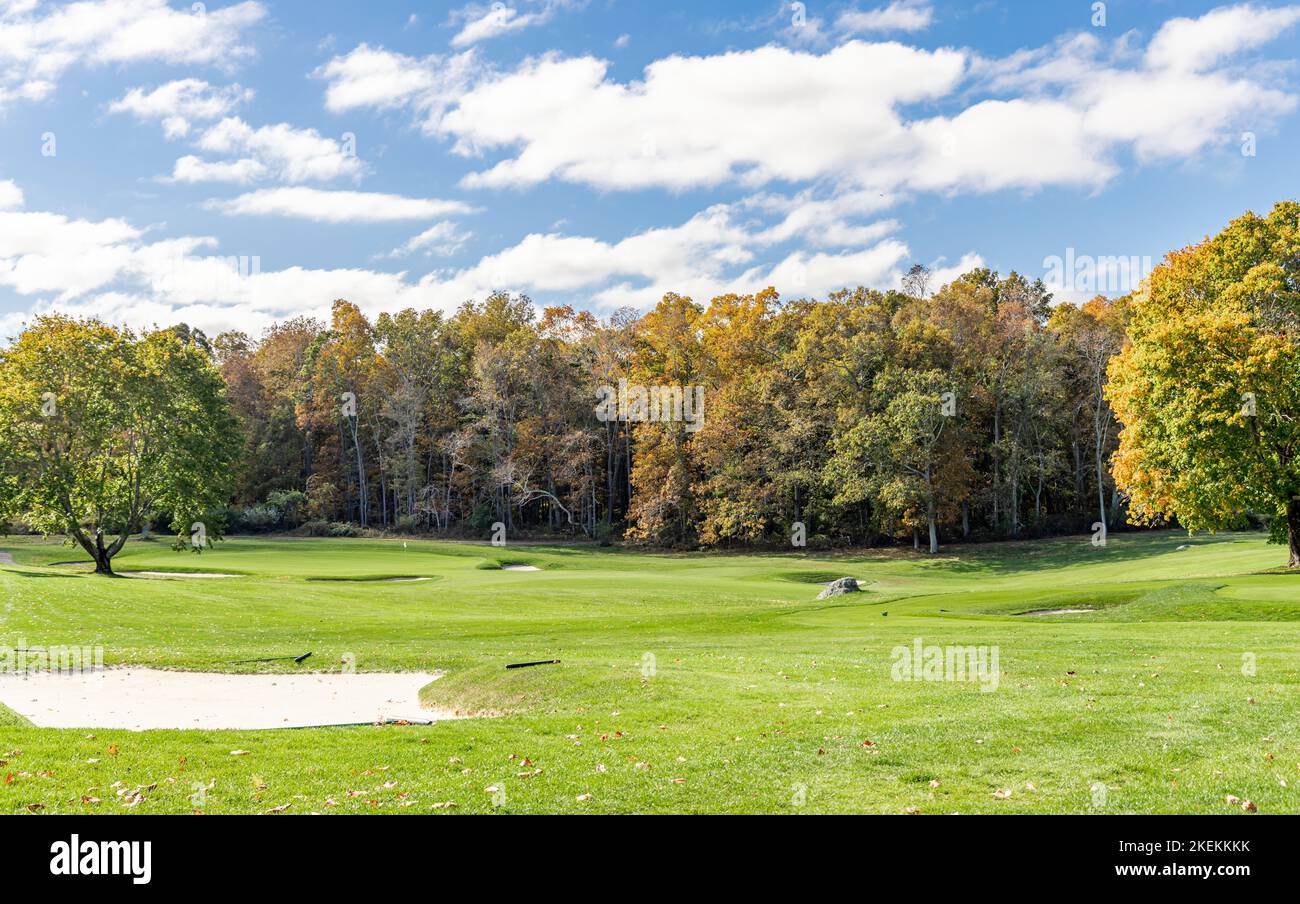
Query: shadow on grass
[40, 574]
[1021, 557]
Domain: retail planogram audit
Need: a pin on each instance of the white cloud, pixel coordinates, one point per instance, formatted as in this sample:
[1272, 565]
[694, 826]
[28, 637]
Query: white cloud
[336, 206]
[39, 43]
[442, 239]
[483, 22]
[290, 154]
[880, 117]
[700, 121]
[381, 79]
[1191, 45]
[193, 169]
[113, 270]
[941, 275]
[181, 102]
[901, 15]
[46, 252]
[108, 269]
[11, 196]
[1165, 102]
[715, 252]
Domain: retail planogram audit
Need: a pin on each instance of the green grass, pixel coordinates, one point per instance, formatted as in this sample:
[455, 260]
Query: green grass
[760, 699]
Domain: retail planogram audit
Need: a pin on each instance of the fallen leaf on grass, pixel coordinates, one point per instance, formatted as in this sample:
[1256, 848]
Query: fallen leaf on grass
[582, 797]
[1002, 794]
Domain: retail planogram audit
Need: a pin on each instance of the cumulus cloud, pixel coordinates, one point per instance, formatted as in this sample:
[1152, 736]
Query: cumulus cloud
[179, 103]
[901, 15]
[193, 169]
[383, 80]
[290, 154]
[750, 116]
[336, 206]
[869, 116]
[1192, 45]
[114, 270]
[11, 196]
[38, 43]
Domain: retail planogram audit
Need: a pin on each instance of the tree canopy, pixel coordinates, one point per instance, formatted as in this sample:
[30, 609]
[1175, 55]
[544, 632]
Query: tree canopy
[1208, 388]
[101, 430]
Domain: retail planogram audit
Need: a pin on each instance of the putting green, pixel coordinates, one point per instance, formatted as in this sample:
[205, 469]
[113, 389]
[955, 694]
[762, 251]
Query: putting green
[697, 683]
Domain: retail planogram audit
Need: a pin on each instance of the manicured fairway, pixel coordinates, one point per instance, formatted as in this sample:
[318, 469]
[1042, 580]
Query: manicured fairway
[754, 696]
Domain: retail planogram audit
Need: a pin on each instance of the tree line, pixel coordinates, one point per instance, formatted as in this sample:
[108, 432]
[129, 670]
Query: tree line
[867, 417]
[982, 410]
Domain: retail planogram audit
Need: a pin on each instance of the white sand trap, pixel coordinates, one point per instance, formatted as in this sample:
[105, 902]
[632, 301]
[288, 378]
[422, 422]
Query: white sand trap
[1057, 611]
[520, 568]
[139, 699]
[205, 575]
[6, 559]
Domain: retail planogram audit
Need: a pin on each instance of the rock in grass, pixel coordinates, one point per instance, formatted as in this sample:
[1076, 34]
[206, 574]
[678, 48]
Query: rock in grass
[843, 585]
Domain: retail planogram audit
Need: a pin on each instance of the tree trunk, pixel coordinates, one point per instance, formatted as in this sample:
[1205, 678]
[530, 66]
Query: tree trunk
[1293, 531]
[103, 558]
[95, 549]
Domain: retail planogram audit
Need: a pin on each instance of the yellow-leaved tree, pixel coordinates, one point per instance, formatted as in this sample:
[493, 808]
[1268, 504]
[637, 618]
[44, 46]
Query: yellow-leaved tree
[1208, 385]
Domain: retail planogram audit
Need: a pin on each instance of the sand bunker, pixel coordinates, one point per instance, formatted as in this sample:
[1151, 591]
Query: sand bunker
[6, 559]
[206, 575]
[1056, 612]
[520, 568]
[139, 699]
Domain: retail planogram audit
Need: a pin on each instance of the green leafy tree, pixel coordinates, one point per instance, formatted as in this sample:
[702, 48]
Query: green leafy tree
[99, 428]
[1208, 387]
[909, 456]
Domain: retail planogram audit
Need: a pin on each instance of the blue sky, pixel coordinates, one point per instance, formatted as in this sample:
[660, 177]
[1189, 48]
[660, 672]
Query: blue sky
[602, 152]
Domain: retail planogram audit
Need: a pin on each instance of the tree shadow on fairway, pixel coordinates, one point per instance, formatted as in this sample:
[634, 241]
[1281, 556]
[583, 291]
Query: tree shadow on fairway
[1021, 557]
[37, 574]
